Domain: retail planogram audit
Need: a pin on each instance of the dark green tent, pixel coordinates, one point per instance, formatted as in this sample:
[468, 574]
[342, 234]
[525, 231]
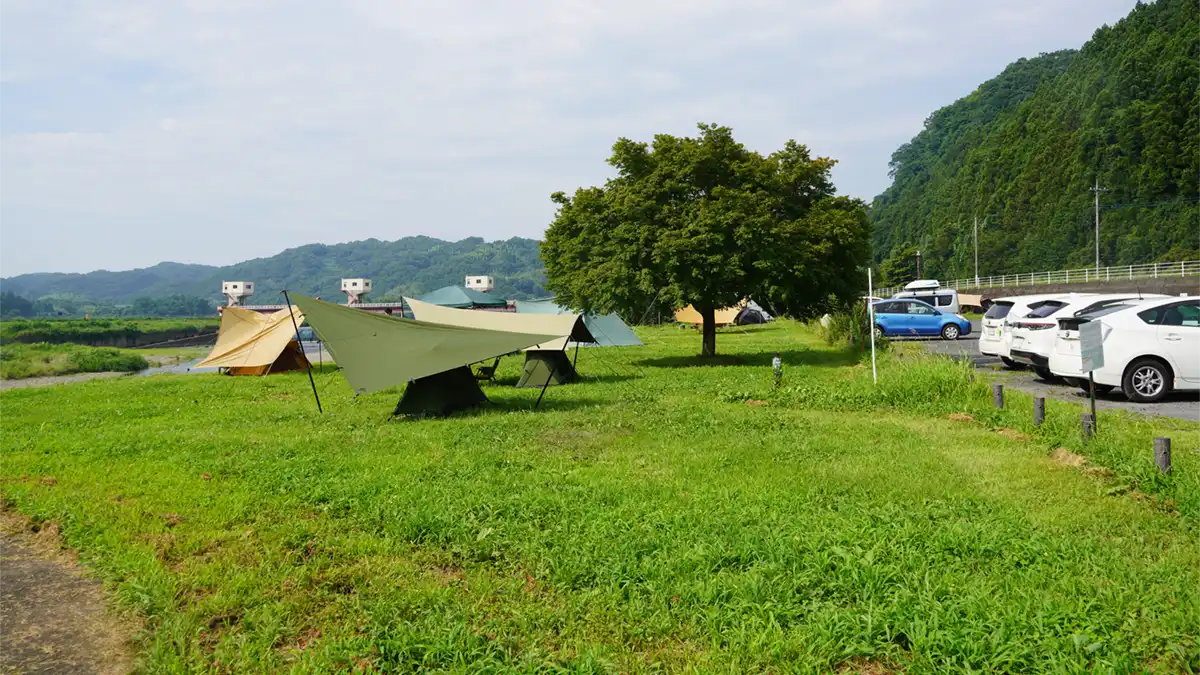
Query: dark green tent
[375, 352]
[441, 394]
[461, 297]
[547, 367]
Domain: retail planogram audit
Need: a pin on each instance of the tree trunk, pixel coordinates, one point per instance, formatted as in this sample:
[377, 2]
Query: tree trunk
[709, 329]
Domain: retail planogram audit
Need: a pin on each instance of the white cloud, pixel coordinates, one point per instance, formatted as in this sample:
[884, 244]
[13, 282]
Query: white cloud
[176, 124]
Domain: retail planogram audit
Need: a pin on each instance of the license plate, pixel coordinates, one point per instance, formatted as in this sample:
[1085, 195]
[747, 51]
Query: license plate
[990, 332]
[1017, 339]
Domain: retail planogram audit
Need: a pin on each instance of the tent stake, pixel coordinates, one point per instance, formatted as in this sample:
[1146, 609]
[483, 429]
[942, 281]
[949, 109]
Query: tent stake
[297, 329]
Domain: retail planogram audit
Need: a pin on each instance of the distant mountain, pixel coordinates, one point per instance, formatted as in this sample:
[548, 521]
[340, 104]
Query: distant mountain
[409, 266]
[1023, 151]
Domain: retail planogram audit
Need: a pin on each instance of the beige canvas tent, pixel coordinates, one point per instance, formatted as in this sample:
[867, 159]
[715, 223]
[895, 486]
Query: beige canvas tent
[546, 364]
[250, 343]
[969, 300]
[722, 317]
[570, 326]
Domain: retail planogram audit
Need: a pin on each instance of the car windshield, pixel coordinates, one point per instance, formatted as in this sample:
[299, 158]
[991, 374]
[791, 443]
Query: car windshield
[1046, 309]
[998, 310]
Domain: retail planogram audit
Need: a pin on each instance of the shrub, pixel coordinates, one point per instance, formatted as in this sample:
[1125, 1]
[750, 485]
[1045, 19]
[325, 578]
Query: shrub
[18, 361]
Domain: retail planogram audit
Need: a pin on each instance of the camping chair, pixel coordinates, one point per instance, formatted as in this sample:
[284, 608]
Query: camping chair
[488, 373]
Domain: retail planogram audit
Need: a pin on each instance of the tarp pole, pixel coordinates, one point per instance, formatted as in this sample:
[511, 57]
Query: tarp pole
[548, 378]
[296, 326]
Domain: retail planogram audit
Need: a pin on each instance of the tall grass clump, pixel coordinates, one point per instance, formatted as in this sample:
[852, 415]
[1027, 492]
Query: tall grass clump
[18, 361]
[849, 325]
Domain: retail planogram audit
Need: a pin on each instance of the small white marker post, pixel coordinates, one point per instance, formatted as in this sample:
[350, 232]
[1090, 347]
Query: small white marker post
[871, 324]
[1091, 353]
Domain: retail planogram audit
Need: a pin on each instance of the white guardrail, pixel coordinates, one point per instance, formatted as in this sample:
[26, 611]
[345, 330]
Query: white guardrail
[1185, 268]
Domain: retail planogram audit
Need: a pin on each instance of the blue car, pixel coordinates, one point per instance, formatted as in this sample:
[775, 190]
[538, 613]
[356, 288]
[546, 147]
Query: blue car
[907, 317]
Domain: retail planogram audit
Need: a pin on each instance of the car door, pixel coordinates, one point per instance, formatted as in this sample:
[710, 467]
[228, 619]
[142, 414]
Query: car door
[1179, 337]
[923, 319]
[892, 316]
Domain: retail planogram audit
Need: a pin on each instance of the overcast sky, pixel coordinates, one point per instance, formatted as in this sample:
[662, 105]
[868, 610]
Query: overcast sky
[212, 131]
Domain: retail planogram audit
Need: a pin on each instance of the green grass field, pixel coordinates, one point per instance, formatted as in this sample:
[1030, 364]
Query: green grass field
[18, 361]
[662, 516]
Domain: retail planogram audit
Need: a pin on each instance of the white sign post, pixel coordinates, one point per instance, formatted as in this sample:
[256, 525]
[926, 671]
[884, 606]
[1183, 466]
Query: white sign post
[871, 324]
[1091, 354]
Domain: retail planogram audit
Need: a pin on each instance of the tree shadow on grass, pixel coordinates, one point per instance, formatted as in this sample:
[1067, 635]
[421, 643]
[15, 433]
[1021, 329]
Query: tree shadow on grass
[791, 357]
[493, 407]
[511, 380]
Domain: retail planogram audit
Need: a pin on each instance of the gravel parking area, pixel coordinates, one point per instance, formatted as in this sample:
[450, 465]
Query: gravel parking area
[1184, 406]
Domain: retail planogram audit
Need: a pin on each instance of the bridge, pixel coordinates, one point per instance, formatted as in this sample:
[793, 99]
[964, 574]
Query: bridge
[1167, 278]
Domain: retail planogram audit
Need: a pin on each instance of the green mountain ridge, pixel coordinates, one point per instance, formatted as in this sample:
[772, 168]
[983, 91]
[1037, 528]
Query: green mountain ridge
[408, 266]
[1023, 151]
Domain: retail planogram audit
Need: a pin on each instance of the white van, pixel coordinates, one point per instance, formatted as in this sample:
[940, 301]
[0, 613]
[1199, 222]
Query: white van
[930, 291]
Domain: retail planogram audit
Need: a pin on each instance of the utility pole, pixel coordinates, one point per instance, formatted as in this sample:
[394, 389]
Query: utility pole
[1097, 189]
[918, 264]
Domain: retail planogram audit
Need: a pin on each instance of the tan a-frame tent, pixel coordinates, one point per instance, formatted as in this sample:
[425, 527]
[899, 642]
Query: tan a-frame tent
[376, 352]
[546, 364]
[722, 317]
[250, 343]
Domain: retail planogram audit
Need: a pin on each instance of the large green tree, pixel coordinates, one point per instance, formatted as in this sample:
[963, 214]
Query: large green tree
[705, 221]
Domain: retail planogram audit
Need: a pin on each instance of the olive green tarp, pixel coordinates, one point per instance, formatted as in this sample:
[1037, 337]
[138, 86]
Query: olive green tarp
[376, 351]
[461, 297]
[546, 368]
[608, 330]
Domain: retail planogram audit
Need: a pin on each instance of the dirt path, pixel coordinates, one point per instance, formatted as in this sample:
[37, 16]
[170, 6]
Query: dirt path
[54, 379]
[52, 617]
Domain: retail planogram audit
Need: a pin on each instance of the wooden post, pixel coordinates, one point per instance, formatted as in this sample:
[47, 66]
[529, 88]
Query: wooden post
[1162, 454]
[998, 395]
[1088, 425]
[1039, 410]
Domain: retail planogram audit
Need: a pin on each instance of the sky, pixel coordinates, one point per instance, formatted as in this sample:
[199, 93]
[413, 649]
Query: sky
[214, 131]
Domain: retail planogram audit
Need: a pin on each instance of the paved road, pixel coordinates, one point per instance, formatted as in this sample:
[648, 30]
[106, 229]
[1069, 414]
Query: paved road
[1182, 406]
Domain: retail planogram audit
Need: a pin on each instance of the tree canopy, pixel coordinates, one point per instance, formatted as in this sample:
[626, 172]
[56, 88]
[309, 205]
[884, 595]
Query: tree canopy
[707, 222]
[1022, 152]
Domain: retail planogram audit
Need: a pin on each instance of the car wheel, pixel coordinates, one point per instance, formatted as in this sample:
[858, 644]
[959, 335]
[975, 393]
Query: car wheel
[1045, 374]
[950, 331]
[880, 333]
[1146, 380]
[1010, 364]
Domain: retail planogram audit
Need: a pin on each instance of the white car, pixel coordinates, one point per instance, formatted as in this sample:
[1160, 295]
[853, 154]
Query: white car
[1032, 336]
[1150, 348]
[993, 339]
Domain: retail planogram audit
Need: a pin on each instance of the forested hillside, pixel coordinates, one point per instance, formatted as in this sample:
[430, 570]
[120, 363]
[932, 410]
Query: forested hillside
[408, 266]
[1023, 151]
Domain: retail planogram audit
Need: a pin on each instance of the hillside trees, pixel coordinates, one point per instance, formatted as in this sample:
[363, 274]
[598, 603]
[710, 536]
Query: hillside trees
[1024, 149]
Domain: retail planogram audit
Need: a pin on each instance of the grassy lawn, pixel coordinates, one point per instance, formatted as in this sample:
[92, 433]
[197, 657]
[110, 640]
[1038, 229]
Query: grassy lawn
[661, 516]
[18, 361]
